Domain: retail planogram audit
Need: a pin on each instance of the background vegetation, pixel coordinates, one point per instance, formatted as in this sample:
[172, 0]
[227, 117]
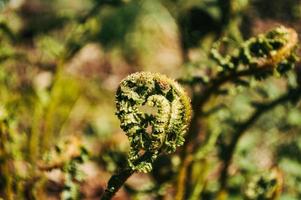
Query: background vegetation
[61, 62]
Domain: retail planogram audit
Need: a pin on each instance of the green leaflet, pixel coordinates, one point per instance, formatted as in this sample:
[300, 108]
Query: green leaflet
[150, 133]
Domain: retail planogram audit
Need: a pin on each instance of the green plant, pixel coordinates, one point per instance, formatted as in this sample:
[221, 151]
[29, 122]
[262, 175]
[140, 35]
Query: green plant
[150, 132]
[60, 66]
[67, 156]
[259, 57]
[266, 185]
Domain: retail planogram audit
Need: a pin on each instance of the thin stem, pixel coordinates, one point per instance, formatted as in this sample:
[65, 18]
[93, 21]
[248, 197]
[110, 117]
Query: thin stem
[5, 165]
[292, 94]
[116, 182]
[182, 177]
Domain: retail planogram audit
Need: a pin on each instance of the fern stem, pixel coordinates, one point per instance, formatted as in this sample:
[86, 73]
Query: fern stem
[116, 182]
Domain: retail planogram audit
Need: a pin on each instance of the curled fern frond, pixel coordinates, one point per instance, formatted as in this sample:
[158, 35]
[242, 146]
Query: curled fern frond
[272, 50]
[155, 113]
[267, 185]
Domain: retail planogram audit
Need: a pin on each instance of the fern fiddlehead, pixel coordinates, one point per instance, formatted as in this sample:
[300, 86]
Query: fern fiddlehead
[154, 112]
[258, 56]
[266, 185]
[149, 132]
[272, 50]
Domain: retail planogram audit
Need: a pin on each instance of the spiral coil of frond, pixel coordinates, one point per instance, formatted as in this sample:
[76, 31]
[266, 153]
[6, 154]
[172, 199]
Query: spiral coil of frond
[151, 133]
[266, 185]
[272, 50]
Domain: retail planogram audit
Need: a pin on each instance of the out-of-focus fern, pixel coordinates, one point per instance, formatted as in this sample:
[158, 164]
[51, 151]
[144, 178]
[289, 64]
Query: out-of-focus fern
[265, 186]
[68, 157]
